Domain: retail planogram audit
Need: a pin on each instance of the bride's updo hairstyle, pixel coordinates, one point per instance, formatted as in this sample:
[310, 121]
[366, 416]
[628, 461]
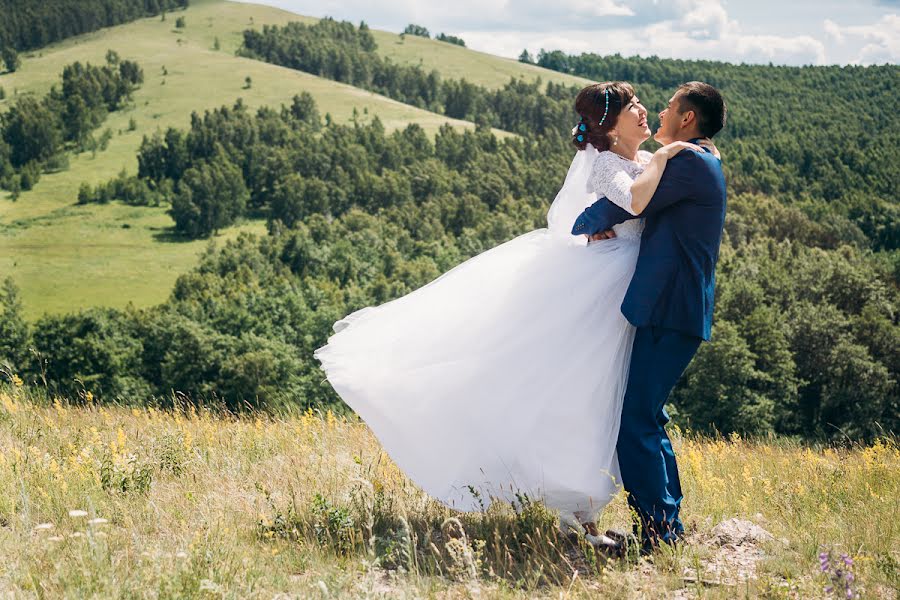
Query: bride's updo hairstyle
[598, 117]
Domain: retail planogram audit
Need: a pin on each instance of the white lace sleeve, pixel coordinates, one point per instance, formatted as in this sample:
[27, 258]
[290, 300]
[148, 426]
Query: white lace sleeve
[612, 178]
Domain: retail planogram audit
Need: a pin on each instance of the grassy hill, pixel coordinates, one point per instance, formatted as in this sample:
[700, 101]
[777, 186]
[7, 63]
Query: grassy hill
[66, 257]
[191, 503]
[456, 62]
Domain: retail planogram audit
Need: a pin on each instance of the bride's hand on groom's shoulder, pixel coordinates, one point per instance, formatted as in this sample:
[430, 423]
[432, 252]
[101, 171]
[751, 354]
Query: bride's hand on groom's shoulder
[708, 143]
[670, 150]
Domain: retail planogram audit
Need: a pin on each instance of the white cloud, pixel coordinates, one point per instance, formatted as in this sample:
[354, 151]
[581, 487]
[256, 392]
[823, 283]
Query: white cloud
[705, 20]
[527, 15]
[587, 8]
[833, 30]
[702, 30]
[880, 41]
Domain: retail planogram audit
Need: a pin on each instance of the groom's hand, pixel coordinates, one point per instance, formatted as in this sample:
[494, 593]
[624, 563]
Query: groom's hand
[602, 235]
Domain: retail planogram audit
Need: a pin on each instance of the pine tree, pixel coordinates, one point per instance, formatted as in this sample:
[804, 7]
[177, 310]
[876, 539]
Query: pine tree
[14, 334]
[11, 59]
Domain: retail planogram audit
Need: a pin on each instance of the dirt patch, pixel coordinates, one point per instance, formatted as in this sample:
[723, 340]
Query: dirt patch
[736, 546]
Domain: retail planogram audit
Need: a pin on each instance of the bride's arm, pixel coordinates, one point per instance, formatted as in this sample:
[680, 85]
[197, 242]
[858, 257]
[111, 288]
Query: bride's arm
[645, 184]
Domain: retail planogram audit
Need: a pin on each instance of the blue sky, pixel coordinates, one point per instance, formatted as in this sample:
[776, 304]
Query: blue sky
[756, 31]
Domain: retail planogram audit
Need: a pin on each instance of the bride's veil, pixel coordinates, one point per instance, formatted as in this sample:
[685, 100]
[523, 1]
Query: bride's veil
[574, 196]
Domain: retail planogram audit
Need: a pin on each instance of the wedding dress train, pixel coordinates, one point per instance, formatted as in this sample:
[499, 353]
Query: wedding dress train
[505, 375]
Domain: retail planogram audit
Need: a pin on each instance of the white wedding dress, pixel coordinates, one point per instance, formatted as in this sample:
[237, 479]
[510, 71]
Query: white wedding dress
[506, 375]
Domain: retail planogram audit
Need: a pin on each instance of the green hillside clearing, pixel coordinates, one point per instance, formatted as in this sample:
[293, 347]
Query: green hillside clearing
[67, 257]
[456, 62]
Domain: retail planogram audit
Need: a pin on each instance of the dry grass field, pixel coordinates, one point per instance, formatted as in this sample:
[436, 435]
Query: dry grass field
[145, 503]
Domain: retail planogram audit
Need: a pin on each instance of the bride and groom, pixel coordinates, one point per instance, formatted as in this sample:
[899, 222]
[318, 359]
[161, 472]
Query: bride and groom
[541, 367]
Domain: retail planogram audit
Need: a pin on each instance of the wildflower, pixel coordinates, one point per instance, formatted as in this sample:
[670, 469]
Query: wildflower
[55, 538]
[98, 521]
[77, 513]
[181, 554]
[17, 381]
[44, 527]
[840, 575]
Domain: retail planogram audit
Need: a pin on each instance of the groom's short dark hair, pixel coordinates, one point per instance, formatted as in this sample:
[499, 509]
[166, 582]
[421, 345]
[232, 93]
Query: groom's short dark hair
[707, 104]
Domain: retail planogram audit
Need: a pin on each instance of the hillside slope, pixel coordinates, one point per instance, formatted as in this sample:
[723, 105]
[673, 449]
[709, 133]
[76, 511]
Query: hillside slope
[66, 257]
[456, 62]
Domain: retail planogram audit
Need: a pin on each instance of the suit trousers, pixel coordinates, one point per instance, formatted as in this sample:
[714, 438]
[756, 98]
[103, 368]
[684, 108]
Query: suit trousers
[647, 461]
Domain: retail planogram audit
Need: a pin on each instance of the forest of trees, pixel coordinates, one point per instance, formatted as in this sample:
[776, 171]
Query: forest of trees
[801, 133]
[808, 134]
[35, 133]
[345, 53]
[806, 340]
[805, 343]
[27, 24]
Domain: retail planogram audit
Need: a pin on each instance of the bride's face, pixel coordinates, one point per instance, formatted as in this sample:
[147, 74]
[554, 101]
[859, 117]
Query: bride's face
[632, 123]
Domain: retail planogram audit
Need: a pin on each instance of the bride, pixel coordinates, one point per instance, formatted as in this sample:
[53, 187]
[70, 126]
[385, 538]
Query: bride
[506, 375]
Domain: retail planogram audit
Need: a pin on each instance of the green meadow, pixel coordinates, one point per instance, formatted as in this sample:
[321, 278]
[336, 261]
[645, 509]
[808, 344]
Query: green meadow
[67, 257]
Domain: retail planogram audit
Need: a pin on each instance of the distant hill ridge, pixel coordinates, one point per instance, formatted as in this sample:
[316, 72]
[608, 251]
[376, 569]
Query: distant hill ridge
[27, 25]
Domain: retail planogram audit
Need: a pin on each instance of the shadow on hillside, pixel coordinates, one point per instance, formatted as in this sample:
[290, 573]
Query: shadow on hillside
[170, 236]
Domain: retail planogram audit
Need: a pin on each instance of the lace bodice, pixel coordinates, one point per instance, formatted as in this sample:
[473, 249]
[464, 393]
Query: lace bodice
[612, 176]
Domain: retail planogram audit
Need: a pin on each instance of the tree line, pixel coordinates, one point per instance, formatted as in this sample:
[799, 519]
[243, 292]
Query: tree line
[35, 133]
[346, 53]
[801, 133]
[805, 134]
[284, 165]
[27, 25]
[418, 30]
[806, 341]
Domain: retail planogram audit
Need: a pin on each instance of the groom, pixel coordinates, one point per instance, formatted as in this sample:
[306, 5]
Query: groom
[669, 301]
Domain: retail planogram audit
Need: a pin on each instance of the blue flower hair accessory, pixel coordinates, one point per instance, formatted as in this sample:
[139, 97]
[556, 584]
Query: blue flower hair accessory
[582, 125]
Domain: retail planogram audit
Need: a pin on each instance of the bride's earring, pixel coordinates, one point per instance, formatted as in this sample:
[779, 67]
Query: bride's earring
[615, 140]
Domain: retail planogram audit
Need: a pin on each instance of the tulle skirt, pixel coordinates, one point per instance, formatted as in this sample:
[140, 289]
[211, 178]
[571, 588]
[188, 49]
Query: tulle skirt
[504, 376]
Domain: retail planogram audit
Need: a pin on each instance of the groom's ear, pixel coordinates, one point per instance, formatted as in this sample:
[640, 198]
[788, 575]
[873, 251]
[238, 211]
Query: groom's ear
[688, 119]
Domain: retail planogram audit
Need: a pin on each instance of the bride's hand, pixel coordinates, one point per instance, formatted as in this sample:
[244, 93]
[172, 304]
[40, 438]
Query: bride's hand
[602, 235]
[708, 143]
[670, 150]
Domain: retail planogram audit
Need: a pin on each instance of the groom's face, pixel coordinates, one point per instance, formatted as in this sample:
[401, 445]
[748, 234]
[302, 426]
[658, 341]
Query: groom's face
[669, 122]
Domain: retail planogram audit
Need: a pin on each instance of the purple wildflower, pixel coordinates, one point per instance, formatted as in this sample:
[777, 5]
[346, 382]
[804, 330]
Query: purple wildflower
[840, 575]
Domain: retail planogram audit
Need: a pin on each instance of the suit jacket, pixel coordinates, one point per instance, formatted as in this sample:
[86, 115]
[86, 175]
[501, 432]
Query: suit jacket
[674, 282]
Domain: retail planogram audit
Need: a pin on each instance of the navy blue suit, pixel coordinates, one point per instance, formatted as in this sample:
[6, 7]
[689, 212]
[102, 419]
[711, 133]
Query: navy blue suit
[670, 301]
